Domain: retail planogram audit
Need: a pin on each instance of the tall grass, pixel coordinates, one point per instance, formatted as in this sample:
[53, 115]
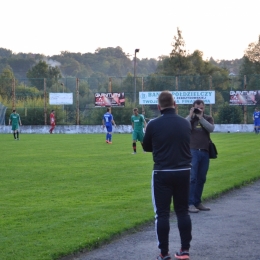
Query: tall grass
[62, 193]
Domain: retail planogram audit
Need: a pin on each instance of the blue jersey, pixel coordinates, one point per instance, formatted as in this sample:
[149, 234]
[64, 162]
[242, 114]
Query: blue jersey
[108, 118]
[256, 116]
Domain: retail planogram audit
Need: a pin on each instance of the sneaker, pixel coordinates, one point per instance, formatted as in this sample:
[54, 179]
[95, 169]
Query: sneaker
[193, 209]
[160, 257]
[182, 255]
[202, 207]
[134, 153]
[109, 142]
[17, 139]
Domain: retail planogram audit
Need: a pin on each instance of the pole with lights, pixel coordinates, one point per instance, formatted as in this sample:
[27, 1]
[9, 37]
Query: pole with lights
[136, 50]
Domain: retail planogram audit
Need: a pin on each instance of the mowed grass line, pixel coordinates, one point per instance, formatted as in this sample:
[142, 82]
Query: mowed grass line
[64, 193]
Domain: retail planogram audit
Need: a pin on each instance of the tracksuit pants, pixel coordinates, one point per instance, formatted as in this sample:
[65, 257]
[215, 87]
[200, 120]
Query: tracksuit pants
[168, 186]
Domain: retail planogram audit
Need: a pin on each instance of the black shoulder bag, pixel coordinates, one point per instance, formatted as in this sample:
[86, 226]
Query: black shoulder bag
[213, 153]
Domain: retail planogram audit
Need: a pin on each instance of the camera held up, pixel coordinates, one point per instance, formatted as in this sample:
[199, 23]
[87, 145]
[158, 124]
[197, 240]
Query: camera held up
[196, 111]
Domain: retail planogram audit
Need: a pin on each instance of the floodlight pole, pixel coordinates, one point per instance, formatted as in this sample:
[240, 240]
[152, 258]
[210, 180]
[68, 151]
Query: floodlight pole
[136, 50]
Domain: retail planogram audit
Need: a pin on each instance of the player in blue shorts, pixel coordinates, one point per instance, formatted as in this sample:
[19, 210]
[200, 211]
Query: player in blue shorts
[107, 122]
[256, 118]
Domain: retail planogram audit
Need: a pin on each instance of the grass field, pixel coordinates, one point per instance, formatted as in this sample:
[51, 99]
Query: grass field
[64, 193]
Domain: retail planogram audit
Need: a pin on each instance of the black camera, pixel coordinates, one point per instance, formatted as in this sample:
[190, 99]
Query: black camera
[196, 111]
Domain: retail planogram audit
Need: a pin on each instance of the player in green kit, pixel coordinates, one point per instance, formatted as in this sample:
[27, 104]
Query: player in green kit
[138, 123]
[16, 120]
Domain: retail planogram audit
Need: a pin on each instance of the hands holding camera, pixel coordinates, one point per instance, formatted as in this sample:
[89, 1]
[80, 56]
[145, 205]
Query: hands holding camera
[196, 111]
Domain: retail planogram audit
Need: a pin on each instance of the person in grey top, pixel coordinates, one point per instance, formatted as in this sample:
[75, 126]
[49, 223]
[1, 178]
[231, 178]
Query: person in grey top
[201, 127]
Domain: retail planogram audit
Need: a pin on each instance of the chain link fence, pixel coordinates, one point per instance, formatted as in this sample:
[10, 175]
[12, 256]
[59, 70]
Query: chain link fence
[30, 97]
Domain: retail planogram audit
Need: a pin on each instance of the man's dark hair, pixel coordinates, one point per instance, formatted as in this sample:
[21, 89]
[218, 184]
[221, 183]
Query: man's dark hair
[198, 102]
[108, 109]
[52, 111]
[166, 99]
[13, 110]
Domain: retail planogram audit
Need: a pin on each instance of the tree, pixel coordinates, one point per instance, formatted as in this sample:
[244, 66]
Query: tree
[6, 82]
[41, 71]
[4, 53]
[253, 51]
[251, 65]
[230, 115]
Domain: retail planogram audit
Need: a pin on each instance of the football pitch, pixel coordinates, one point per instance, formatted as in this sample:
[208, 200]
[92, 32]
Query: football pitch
[64, 193]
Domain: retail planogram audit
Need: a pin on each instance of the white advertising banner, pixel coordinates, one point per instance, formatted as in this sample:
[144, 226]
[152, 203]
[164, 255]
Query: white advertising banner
[61, 98]
[181, 97]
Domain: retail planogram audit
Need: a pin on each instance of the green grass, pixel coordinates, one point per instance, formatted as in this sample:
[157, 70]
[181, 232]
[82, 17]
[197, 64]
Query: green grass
[63, 193]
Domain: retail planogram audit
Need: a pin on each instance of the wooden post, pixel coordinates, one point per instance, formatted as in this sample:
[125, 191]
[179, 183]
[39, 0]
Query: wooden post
[176, 88]
[13, 94]
[110, 90]
[110, 85]
[245, 107]
[77, 101]
[45, 102]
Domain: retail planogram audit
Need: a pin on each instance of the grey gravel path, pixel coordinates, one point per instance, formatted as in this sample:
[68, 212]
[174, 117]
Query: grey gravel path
[231, 230]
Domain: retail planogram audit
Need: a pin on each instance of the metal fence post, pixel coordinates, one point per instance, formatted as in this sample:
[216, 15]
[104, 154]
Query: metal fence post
[210, 88]
[245, 107]
[176, 88]
[45, 102]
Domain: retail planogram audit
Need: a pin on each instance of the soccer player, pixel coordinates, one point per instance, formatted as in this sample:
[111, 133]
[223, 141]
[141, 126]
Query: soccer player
[52, 121]
[107, 122]
[256, 118]
[16, 120]
[138, 123]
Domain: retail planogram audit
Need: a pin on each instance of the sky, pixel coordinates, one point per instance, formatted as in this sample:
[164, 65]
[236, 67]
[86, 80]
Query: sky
[221, 29]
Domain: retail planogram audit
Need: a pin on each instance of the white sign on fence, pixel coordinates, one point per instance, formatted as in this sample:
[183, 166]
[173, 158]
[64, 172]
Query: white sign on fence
[61, 98]
[181, 97]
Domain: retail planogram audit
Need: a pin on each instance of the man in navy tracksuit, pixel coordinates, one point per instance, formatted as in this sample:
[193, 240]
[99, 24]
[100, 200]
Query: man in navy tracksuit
[168, 137]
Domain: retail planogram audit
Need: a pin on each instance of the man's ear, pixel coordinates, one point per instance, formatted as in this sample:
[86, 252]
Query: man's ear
[158, 106]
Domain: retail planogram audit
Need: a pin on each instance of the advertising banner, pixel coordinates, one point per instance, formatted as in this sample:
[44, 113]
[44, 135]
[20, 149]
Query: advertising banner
[246, 98]
[113, 99]
[61, 98]
[181, 97]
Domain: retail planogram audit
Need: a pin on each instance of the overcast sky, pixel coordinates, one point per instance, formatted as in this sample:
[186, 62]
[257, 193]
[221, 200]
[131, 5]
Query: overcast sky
[220, 29]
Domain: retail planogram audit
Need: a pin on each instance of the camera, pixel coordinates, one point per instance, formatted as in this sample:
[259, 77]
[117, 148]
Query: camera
[196, 111]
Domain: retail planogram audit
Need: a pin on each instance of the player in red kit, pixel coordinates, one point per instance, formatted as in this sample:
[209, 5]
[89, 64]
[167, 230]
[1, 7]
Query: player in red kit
[52, 121]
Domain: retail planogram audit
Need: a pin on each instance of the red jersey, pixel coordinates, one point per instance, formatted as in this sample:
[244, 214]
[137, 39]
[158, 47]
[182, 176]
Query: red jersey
[52, 118]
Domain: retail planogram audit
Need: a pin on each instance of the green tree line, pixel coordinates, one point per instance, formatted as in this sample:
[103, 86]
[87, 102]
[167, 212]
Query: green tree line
[95, 70]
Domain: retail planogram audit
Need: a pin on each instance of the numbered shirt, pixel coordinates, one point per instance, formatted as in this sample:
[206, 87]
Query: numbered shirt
[256, 115]
[108, 118]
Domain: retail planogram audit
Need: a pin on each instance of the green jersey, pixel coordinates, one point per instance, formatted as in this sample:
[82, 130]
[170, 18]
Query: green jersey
[138, 122]
[15, 118]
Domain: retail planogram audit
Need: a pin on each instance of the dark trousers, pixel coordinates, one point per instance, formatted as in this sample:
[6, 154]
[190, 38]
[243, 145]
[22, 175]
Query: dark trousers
[199, 169]
[168, 185]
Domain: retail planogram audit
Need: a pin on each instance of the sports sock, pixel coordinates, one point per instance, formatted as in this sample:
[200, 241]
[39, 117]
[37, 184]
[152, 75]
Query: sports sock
[134, 147]
[107, 136]
[14, 136]
[17, 134]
